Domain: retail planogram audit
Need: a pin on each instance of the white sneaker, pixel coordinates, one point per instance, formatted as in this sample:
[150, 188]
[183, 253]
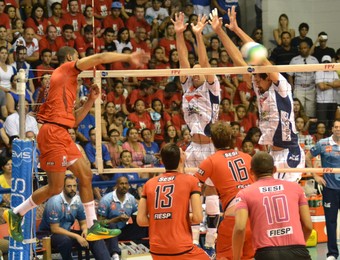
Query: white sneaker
[115, 256]
[331, 258]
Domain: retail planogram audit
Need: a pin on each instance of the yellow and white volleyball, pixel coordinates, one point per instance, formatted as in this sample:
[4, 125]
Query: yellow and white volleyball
[254, 53]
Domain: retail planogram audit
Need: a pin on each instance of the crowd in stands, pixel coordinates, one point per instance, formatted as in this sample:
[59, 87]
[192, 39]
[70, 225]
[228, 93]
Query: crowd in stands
[30, 36]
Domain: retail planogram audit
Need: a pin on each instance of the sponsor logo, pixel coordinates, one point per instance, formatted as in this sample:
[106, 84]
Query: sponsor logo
[280, 232]
[165, 215]
[19, 156]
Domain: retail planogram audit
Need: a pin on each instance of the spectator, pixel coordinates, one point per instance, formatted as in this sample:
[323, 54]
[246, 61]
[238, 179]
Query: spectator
[156, 11]
[30, 42]
[61, 211]
[321, 132]
[21, 63]
[283, 54]
[41, 92]
[5, 182]
[151, 148]
[90, 149]
[102, 9]
[304, 138]
[326, 94]
[161, 120]
[322, 50]
[254, 135]
[45, 66]
[213, 50]
[84, 126]
[168, 42]
[137, 20]
[88, 14]
[12, 96]
[303, 83]
[248, 147]
[37, 21]
[123, 40]
[56, 18]
[135, 147]
[107, 40]
[141, 117]
[117, 97]
[4, 20]
[72, 132]
[11, 124]
[84, 42]
[117, 217]
[303, 31]
[114, 21]
[3, 108]
[243, 119]
[139, 42]
[283, 26]
[107, 119]
[17, 28]
[170, 136]
[114, 147]
[49, 42]
[223, 7]
[4, 43]
[117, 124]
[74, 17]
[6, 71]
[226, 112]
[257, 35]
[66, 38]
[185, 139]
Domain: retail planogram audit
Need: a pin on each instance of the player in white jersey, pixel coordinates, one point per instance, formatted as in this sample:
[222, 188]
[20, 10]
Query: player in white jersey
[200, 106]
[275, 105]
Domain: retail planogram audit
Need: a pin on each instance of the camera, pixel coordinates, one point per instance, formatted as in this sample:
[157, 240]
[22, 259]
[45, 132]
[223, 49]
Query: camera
[323, 37]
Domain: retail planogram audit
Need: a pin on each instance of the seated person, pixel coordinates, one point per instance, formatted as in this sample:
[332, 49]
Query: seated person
[61, 211]
[90, 150]
[116, 208]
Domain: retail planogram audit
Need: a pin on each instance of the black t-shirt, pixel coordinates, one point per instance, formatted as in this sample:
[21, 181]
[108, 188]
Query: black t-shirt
[319, 53]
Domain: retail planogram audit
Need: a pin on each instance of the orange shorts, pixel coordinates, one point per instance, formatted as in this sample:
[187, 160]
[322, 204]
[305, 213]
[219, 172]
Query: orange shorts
[56, 147]
[224, 250]
[195, 254]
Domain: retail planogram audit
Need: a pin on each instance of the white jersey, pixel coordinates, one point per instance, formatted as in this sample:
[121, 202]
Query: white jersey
[277, 115]
[200, 105]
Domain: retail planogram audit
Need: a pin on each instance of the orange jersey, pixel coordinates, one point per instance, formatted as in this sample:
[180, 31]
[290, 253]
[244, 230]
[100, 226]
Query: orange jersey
[61, 98]
[167, 197]
[229, 170]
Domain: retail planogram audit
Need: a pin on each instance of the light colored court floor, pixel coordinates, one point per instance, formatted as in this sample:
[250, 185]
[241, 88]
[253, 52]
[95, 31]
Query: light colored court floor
[319, 252]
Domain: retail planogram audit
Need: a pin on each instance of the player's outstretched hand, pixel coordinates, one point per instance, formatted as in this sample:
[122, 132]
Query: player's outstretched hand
[139, 58]
[232, 26]
[178, 22]
[215, 21]
[94, 92]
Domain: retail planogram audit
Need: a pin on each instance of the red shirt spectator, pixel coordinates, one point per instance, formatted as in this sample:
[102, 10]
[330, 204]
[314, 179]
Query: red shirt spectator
[137, 20]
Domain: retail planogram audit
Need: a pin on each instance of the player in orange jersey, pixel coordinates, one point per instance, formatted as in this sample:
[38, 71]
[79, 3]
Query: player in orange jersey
[229, 170]
[164, 207]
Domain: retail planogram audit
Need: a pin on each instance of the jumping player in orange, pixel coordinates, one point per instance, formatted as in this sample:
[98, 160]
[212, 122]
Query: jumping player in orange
[58, 151]
[164, 207]
[229, 170]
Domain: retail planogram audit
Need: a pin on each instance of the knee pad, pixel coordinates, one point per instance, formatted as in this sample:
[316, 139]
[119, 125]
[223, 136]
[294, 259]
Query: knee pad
[212, 205]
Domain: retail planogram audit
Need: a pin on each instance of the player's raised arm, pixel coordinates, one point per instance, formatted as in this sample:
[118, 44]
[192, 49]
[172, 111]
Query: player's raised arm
[202, 52]
[180, 27]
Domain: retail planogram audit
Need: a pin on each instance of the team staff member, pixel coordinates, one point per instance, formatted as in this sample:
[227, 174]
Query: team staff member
[58, 151]
[329, 149]
[60, 213]
[275, 104]
[278, 212]
[164, 207]
[229, 170]
[201, 99]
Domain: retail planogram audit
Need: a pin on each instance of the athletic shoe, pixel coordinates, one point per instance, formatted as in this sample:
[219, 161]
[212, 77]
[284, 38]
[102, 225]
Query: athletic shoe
[115, 256]
[98, 232]
[14, 224]
[331, 258]
[211, 252]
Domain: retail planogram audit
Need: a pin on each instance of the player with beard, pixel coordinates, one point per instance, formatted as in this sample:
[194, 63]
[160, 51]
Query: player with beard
[61, 211]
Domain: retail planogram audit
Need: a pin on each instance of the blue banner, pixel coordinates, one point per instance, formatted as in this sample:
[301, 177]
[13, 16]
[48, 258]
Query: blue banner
[22, 186]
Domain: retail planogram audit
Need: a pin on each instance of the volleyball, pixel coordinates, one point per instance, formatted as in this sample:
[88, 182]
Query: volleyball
[254, 53]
